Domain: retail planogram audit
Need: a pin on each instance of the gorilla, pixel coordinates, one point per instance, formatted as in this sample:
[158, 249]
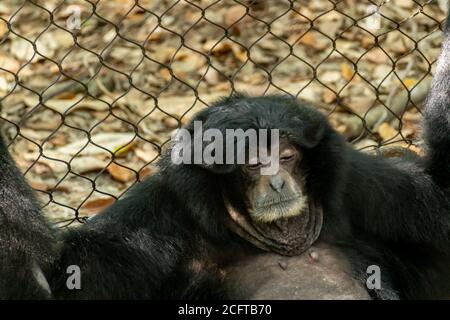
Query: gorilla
[314, 229]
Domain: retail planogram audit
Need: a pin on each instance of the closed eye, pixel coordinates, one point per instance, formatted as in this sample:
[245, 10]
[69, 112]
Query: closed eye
[254, 166]
[287, 158]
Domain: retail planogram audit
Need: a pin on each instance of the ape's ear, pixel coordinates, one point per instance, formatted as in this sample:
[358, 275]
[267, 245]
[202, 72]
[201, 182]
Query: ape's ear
[311, 133]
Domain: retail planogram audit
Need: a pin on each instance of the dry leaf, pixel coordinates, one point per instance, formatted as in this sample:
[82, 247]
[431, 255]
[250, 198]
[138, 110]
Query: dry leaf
[407, 4]
[22, 49]
[381, 71]
[85, 164]
[122, 151]
[211, 76]
[3, 28]
[40, 186]
[69, 105]
[330, 76]
[120, 173]
[147, 155]
[146, 172]
[165, 74]
[410, 82]
[9, 64]
[170, 122]
[239, 53]
[386, 131]
[234, 14]
[309, 39]
[97, 205]
[347, 71]
[361, 104]
[110, 141]
[376, 55]
[328, 96]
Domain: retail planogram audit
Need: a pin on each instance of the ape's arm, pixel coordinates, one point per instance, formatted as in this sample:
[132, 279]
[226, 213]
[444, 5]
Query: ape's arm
[407, 200]
[26, 241]
[437, 117]
[142, 247]
[394, 199]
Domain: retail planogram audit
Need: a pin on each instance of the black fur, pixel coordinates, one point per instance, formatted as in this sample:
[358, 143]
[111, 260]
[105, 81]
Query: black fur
[25, 239]
[394, 213]
[437, 117]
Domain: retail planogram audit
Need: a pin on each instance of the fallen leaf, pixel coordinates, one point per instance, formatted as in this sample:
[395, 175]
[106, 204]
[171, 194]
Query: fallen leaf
[122, 151]
[146, 172]
[40, 186]
[410, 82]
[309, 39]
[211, 76]
[97, 205]
[328, 96]
[147, 155]
[347, 71]
[386, 131]
[22, 49]
[3, 28]
[120, 173]
[330, 76]
[234, 14]
[87, 164]
[9, 63]
[110, 141]
[381, 71]
[165, 74]
[360, 105]
[239, 52]
[376, 55]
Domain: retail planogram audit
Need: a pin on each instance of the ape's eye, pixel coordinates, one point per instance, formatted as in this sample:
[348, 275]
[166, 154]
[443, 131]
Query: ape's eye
[254, 166]
[287, 155]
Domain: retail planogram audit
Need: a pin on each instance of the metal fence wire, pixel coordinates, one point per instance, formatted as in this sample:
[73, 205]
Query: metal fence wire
[91, 90]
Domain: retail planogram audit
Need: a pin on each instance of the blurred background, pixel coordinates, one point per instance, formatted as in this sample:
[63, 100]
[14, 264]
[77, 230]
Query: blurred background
[90, 91]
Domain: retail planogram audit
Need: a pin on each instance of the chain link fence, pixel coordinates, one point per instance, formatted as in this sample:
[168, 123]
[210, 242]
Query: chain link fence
[91, 90]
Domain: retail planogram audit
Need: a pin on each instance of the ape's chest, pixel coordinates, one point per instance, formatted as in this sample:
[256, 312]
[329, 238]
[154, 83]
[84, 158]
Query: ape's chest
[320, 273]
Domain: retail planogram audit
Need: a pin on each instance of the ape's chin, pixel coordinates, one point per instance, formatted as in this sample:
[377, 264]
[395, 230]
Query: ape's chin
[289, 233]
[279, 211]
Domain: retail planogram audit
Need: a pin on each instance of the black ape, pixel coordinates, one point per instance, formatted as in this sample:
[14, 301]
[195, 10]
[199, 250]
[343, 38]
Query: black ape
[203, 231]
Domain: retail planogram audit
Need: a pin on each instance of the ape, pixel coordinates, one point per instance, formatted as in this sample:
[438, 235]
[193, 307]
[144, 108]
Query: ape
[206, 230]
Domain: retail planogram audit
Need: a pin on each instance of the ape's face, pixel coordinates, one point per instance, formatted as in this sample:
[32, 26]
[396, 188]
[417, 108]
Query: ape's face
[280, 195]
[275, 212]
[278, 215]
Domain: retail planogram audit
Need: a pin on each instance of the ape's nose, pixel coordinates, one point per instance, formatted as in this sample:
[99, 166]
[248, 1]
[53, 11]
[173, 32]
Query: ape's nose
[277, 183]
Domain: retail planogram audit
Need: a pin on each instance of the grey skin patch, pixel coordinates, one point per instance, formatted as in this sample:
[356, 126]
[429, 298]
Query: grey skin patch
[286, 236]
[262, 276]
[40, 277]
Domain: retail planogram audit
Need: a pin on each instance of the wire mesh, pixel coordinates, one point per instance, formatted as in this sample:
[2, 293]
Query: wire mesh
[90, 90]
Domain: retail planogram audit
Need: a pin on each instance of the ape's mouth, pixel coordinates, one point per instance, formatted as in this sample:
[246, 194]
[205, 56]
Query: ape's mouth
[275, 210]
[287, 235]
